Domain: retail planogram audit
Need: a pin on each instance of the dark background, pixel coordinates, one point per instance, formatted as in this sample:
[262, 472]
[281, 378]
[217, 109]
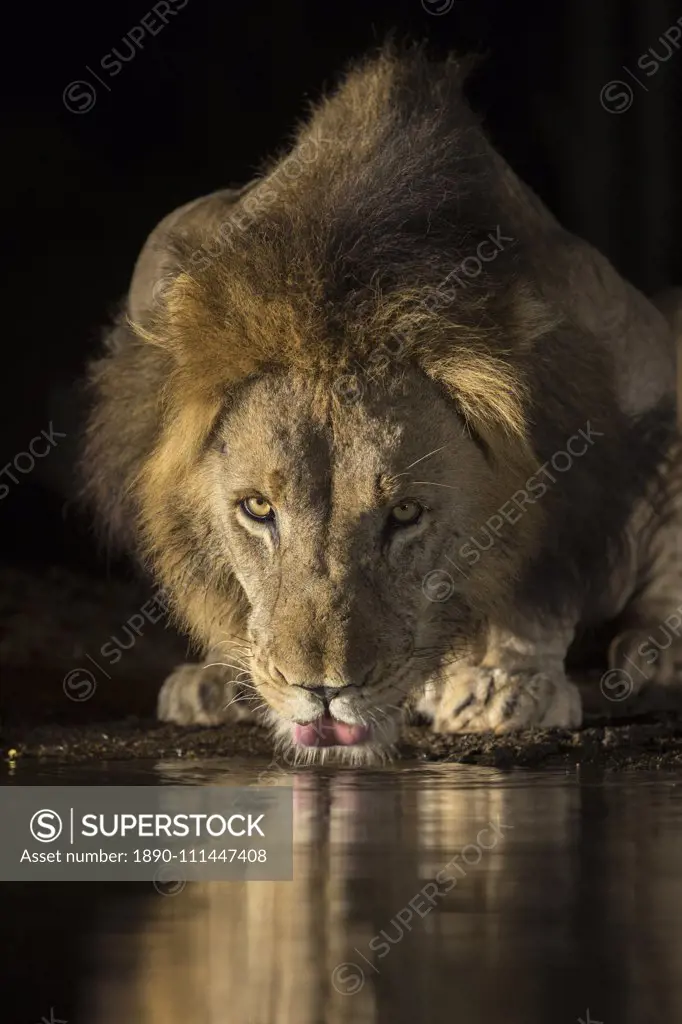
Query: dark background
[202, 103]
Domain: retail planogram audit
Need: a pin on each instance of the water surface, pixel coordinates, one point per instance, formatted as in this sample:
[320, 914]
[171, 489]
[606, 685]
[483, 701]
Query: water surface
[435, 894]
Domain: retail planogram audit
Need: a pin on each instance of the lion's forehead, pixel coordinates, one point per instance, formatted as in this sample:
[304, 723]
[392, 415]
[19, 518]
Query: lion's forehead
[293, 412]
[282, 430]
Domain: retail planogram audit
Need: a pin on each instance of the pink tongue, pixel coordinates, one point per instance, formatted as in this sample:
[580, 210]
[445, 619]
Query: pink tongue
[328, 732]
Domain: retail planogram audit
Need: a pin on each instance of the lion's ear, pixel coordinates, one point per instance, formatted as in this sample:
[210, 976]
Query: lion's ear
[157, 266]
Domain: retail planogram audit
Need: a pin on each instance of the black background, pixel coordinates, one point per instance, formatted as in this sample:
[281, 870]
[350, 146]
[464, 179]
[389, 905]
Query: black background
[203, 102]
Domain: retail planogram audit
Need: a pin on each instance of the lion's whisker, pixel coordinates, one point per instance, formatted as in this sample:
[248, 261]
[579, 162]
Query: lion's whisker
[434, 483]
[234, 643]
[421, 459]
[237, 637]
[226, 664]
[231, 702]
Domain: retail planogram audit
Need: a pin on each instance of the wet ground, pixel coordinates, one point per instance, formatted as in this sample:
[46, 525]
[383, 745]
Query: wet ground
[428, 892]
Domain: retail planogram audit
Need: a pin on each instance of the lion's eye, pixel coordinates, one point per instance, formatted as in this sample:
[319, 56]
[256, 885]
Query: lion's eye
[406, 513]
[257, 508]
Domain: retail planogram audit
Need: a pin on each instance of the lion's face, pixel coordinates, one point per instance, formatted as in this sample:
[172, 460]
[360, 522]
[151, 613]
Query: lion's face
[334, 515]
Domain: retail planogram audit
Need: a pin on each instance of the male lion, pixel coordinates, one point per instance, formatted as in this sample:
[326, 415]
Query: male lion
[388, 435]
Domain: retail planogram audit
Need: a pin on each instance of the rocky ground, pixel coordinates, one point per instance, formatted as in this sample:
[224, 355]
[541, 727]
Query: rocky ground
[81, 662]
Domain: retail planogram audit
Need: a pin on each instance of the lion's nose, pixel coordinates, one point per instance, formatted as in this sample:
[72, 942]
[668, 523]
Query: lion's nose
[325, 693]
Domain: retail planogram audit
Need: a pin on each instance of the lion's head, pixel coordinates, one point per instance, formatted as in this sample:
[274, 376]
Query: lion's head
[327, 528]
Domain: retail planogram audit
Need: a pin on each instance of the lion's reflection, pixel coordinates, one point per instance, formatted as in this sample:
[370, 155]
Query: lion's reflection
[426, 895]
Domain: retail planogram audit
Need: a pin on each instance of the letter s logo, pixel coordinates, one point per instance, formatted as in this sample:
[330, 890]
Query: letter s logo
[46, 826]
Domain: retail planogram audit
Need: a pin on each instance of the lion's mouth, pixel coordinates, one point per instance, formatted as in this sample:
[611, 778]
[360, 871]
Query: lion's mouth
[330, 732]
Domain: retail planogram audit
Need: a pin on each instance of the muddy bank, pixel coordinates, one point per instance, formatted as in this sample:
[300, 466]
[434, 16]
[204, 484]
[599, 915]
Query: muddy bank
[647, 744]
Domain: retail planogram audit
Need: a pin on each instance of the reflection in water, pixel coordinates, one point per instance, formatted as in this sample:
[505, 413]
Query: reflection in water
[559, 895]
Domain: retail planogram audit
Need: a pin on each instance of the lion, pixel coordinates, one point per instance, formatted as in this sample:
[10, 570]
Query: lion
[388, 436]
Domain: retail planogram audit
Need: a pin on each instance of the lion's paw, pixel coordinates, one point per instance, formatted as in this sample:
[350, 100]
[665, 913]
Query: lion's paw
[477, 699]
[199, 695]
